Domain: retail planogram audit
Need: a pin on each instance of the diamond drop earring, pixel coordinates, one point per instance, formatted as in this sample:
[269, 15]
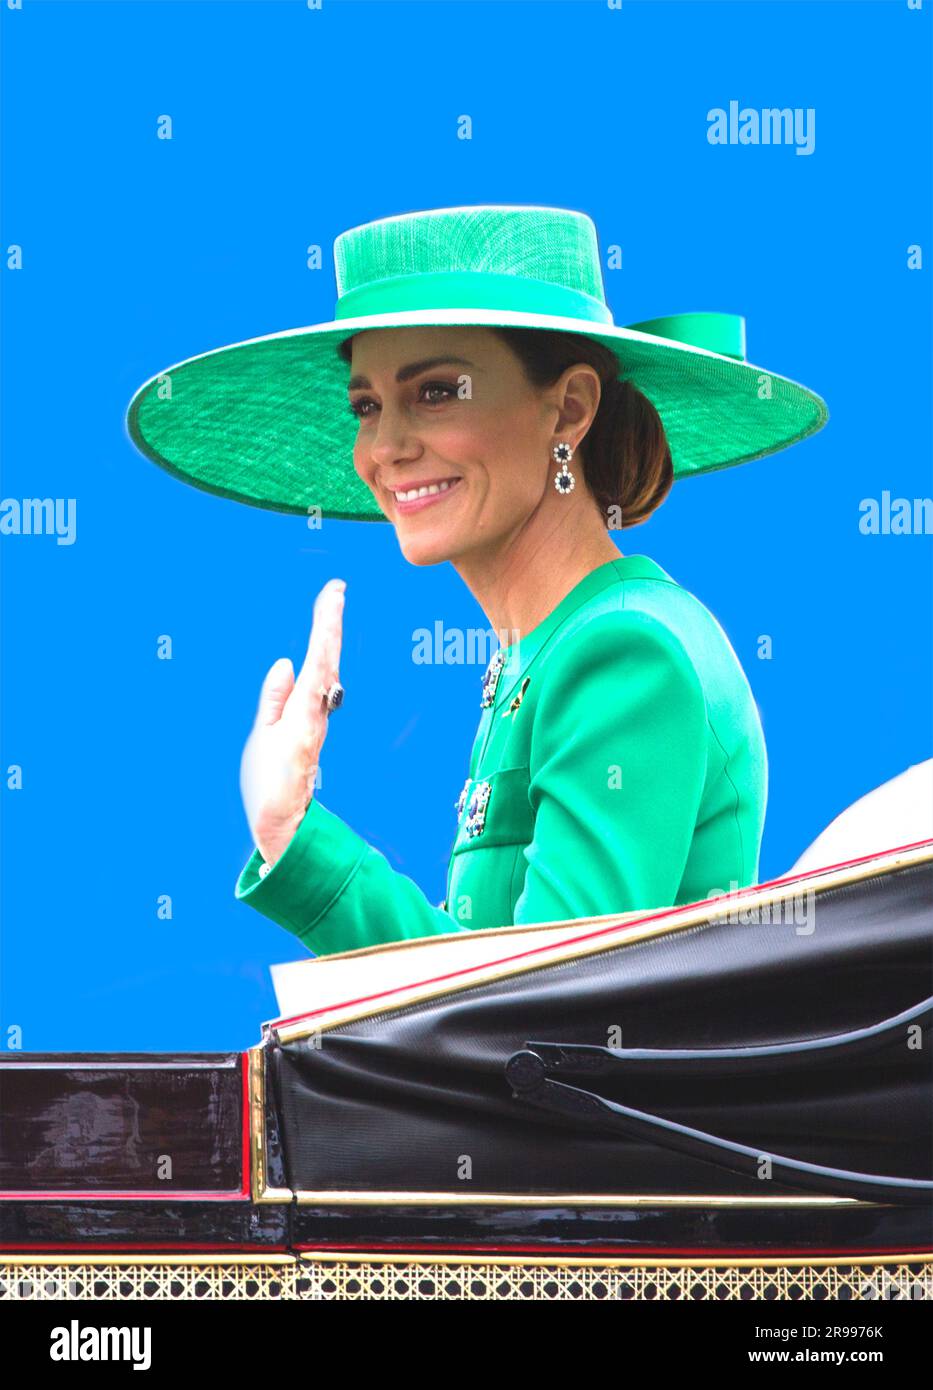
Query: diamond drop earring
[564, 480]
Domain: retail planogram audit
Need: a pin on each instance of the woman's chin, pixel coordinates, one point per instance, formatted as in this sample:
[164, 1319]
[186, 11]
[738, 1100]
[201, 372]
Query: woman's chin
[427, 550]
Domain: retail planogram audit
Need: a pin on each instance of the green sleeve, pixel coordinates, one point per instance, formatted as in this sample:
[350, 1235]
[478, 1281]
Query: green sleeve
[617, 769]
[336, 892]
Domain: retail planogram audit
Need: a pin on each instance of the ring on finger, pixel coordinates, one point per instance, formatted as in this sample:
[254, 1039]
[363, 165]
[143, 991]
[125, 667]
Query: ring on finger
[332, 697]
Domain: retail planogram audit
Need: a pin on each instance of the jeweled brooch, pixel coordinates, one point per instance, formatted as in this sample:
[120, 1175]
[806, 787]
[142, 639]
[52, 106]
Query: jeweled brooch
[476, 810]
[516, 703]
[461, 799]
[491, 680]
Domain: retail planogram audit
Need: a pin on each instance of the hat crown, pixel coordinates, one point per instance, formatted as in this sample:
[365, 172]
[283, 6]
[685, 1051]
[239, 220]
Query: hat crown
[554, 245]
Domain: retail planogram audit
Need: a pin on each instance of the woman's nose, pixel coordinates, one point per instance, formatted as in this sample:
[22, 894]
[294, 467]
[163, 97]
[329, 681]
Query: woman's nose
[393, 437]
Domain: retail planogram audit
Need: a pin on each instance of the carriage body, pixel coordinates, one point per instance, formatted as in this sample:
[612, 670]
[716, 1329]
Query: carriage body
[724, 1100]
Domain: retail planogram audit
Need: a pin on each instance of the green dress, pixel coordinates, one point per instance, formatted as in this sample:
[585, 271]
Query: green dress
[619, 764]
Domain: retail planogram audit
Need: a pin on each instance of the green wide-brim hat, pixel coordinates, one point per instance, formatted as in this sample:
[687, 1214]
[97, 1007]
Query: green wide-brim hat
[266, 421]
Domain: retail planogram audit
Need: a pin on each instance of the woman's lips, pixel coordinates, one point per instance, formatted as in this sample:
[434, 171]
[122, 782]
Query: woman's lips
[418, 503]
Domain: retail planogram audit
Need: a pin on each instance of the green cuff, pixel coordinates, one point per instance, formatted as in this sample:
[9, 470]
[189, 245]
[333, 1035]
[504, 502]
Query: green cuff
[308, 878]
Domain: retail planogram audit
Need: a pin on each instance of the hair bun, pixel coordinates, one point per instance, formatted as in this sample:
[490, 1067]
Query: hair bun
[627, 459]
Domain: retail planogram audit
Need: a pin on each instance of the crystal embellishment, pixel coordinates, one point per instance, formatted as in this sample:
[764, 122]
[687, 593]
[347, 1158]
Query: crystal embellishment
[476, 809]
[461, 799]
[491, 680]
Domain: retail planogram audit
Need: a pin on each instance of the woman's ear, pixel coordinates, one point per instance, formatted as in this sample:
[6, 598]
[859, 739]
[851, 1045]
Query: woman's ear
[577, 397]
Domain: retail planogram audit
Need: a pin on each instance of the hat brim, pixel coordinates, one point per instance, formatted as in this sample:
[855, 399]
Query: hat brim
[266, 421]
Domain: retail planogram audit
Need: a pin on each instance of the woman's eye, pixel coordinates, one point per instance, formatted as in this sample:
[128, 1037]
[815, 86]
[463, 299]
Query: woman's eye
[443, 386]
[360, 407]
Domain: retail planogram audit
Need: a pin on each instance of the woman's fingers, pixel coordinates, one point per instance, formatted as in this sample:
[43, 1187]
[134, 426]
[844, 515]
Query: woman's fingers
[280, 760]
[321, 667]
[276, 688]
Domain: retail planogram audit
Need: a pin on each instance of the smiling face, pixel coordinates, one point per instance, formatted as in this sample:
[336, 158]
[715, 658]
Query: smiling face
[453, 441]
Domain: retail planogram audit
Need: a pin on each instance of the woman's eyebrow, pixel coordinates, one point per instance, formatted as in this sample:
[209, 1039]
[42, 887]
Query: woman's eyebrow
[412, 369]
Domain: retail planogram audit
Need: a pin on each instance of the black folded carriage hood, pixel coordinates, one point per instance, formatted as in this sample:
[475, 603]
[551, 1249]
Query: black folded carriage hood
[772, 1044]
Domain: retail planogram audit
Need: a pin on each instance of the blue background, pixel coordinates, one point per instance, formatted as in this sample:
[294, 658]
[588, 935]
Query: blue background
[289, 126]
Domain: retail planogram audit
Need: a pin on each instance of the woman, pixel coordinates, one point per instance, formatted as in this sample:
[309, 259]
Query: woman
[501, 425]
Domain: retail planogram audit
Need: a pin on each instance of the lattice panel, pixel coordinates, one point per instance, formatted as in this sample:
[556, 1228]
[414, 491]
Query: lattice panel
[323, 1280]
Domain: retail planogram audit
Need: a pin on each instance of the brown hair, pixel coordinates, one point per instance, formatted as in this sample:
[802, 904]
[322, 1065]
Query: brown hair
[626, 459]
